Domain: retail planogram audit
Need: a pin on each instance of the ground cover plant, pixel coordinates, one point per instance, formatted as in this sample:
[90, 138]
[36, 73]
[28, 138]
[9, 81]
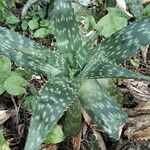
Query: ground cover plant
[72, 70]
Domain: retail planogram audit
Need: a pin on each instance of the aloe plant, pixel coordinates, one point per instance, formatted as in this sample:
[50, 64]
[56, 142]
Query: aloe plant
[73, 69]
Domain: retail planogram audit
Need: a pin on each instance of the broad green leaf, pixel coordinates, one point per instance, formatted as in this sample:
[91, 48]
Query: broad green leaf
[1, 88]
[28, 53]
[3, 143]
[55, 135]
[135, 7]
[24, 25]
[2, 5]
[72, 120]
[41, 33]
[146, 11]
[33, 24]
[12, 19]
[123, 44]
[29, 102]
[45, 23]
[52, 101]
[102, 108]
[112, 22]
[15, 85]
[89, 23]
[5, 71]
[5, 64]
[66, 28]
[2, 139]
[100, 69]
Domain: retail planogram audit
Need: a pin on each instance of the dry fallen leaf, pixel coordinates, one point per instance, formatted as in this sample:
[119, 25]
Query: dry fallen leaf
[145, 1]
[76, 141]
[86, 117]
[4, 115]
[139, 89]
[100, 140]
[139, 122]
[121, 4]
[51, 147]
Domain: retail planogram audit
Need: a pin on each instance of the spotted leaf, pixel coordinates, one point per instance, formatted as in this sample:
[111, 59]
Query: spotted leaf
[52, 101]
[102, 108]
[100, 69]
[88, 43]
[28, 53]
[72, 120]
[123, 44]
[135, 7]
[66, 29]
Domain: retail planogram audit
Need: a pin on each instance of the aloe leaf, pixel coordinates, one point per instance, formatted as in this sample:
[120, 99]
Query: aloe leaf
[102, 108]
[28, 53]
[52, 101]
[123, 44]
[86, 47]
[66, 28]
[135, 7]
[100, 69]
[72, 120]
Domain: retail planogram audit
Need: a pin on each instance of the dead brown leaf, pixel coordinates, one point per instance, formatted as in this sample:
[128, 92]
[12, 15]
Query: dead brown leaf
[100, 140]
[86, 117]
[76, 141]
[51, 147]
[139, 122]
[145, 1]
[4, 115]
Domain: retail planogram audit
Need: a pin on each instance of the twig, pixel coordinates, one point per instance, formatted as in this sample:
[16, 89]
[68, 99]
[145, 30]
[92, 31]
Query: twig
[16, 110]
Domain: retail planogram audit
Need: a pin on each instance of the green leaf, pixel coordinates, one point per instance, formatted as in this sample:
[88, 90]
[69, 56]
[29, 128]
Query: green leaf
[123, 44]
[135, 7]
[52, 101]
[2, 5]
[33, 24]
[89, 22]
[103, 109]
[2, 139]
[1, 89]
[66, 28]
[3, 143]
[5, 64]
[24, 25]
[28, 53]
[15, 85]
[100, 69]
[41, 33]
[72, 120]
[55, 135]
[45, 23]
[29, 102]
[12, 19]
[5, 71]
[112, 22]
[146, 11]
